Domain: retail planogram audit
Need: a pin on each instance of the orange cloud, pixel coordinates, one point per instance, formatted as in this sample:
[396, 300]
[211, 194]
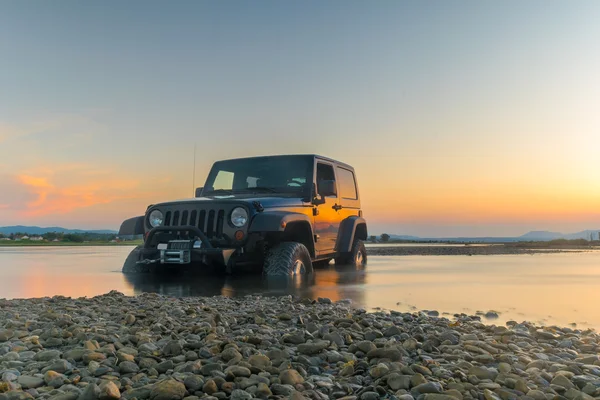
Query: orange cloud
[62, 199]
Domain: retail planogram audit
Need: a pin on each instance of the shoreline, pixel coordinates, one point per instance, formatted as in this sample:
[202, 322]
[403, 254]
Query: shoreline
[157, 347]
[469, 250]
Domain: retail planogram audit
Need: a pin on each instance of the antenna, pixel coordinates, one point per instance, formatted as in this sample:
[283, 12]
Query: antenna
[194, 174]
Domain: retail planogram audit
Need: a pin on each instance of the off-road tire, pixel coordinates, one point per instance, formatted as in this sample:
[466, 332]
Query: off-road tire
[130, 265]
[284, 259]
[357, 258]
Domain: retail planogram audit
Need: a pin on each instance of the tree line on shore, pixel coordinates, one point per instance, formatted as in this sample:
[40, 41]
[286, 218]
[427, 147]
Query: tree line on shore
[63, 237]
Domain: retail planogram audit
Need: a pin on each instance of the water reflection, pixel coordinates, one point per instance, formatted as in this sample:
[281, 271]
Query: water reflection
[553, 288]
[333, 283]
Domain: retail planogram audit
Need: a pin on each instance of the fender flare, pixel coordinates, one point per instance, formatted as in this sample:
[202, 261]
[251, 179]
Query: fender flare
[132, 226]
[349, 230]
[276, 221]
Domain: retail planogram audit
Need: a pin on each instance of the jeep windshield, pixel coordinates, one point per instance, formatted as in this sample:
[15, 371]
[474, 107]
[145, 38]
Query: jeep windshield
[265, 175]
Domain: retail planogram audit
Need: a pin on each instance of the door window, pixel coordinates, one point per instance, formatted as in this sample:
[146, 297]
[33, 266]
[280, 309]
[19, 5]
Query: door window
[347, 184]
[324, 173]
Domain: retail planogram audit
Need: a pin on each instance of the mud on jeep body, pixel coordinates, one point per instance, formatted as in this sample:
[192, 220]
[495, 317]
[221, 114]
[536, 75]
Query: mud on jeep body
[286, 213]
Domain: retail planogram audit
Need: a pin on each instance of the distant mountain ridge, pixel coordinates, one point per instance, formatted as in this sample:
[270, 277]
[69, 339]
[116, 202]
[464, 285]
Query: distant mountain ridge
[529, 236]
[36, 230]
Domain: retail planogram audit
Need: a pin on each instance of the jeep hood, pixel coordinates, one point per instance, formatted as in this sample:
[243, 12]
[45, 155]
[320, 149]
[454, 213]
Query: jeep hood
[266, 201]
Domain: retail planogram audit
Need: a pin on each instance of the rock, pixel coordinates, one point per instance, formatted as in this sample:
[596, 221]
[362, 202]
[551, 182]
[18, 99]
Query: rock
[397, 382]
[259, 361]
[6, 334]
[410, 344]
[294, 338]
[172, 349]
[54, 379]
[504, 368]
[128, 367]
[47, 355]
[366, 346]
[93, 356]
[193, 383]
[91, 392]
[335, 337]
[231, 354]
[378, 371]
[429, 387]
[263, 391]
[561, 380]
[239, 394]
[392, 331]
[30, 382]
[210, 387]
[164, 366]
[483, 373]
[438, 396]
[282, 390]
[385, 353]
[370, 396]
[238, 371]
[313, 348]
[108, 390]
[291, 377]
[417, 379]
[168, 389]
[347, 370]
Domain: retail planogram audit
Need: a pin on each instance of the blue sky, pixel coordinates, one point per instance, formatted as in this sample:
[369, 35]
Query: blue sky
[461, 117]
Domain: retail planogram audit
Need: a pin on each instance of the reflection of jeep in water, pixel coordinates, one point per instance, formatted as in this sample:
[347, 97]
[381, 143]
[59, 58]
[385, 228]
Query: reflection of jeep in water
[286, 213]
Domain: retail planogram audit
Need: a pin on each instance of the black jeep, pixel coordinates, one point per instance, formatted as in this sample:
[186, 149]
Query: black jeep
[286, 213]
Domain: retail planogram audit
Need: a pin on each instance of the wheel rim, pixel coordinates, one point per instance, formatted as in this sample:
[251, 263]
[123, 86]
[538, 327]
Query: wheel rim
[299, 268]
[360, 259]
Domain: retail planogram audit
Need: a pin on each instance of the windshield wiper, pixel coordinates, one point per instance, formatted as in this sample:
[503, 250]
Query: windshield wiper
[263, 189]
[220, 191]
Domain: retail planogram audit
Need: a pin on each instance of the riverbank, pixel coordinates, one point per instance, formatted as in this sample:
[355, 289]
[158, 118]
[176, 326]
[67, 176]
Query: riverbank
[156, 347]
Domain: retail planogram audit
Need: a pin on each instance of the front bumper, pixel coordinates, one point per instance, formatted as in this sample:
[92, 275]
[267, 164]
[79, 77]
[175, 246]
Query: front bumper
[182, 245]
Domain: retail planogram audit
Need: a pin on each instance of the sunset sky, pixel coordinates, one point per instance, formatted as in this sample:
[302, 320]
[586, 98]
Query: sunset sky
[460, 117]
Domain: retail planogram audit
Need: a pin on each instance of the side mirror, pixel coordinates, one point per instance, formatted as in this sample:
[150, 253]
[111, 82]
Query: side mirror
[327, 188]
[199, 191]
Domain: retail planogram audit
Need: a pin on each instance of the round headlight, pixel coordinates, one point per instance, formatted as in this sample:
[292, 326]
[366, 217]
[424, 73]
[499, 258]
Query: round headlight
[156, 218]
[239, 217]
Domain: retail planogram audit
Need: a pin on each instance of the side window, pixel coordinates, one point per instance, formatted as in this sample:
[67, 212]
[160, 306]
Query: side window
[347, 184]
[224, 180]
[324, 174]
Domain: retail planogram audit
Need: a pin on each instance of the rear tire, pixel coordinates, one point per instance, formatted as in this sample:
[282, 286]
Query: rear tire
[288, 259]
[357, 258]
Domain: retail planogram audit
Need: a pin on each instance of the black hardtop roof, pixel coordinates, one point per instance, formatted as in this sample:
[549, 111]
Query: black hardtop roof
[292, 155]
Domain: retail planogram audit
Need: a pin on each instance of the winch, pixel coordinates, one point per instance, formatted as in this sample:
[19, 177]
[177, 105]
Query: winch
[179, 251]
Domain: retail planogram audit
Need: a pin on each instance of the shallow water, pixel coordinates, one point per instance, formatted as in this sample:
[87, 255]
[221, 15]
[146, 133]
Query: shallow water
[545, 288]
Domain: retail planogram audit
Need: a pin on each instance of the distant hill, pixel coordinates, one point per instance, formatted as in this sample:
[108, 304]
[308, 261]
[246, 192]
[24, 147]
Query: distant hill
[36, 230]
[546, 235]
[530, 236]
[541, 235]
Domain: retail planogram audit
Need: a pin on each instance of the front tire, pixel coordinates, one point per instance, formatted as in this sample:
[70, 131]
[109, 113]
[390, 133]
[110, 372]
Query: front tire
[130, 266]
[357, 258]
[288, 259]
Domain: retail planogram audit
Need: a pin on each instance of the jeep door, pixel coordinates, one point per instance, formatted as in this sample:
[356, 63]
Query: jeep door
[327, 218]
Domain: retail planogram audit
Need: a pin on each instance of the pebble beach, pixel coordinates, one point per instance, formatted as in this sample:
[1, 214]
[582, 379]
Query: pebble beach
[157, 347]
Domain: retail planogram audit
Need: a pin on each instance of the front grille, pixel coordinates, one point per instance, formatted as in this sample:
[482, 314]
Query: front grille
[210, 222]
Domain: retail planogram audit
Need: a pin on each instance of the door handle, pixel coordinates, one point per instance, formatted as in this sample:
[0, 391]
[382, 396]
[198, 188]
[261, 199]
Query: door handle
[336, 207]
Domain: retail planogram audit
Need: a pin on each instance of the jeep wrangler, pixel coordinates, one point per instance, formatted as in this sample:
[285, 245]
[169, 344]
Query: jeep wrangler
[284, 213]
